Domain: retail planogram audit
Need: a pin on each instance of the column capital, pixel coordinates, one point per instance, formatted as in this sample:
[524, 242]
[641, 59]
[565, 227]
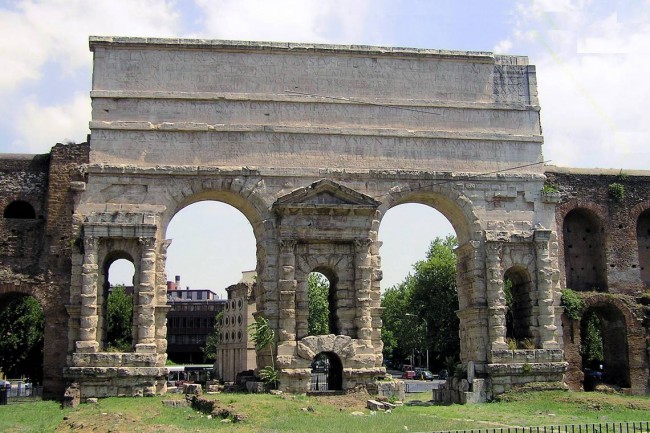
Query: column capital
[362, 243]
[148, 242]
[287, 245]
[90, 242]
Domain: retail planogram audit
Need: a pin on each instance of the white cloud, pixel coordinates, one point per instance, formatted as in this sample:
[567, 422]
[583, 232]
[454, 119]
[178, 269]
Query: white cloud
[36, 32]
[46, 42]
[503, 46]
[590, 72]
[36, 123]
[286, 20]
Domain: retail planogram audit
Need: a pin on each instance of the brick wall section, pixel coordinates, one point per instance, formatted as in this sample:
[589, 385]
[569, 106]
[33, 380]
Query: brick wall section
[589, 189]
[35, 254]
[22, 177]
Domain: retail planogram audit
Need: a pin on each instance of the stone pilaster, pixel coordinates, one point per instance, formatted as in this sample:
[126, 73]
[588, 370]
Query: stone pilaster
[146, 295]
[363, 288]
[287, 286]
[161, 308]
[495, 296]
[88, 316]
[546, 316]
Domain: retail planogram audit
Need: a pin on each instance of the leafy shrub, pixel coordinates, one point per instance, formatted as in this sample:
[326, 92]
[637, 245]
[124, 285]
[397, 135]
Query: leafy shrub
[574, 305]
[617, 191]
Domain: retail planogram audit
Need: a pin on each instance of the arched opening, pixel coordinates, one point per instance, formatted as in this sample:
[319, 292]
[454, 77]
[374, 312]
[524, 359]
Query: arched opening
[19, 209]
[326, 372]
[584, 251]
[520, 302]
[21, 338]
[643, 242]
[116, 325]
[321, 311]
[419, 286]
[213, 247]
[604, 347]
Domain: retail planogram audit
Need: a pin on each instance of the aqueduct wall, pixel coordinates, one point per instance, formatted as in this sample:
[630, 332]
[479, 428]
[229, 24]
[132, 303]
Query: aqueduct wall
[313, 144]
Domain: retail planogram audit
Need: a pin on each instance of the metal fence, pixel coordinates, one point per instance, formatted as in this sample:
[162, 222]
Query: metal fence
[614, 427]
[318, 382]
[21, 394]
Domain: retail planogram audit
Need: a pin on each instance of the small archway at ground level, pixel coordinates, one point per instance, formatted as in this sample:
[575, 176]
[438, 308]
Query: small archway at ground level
[623, 339]
[326, 372]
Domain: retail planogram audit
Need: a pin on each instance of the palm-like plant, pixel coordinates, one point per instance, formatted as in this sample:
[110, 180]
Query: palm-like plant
[262, 336]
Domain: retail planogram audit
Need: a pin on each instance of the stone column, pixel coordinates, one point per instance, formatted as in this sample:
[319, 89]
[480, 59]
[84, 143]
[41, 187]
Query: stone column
[161, 301]
[363, 289]
[544, 264]
[146, 295]
[287, 286]
[495, 296]
[88, 318]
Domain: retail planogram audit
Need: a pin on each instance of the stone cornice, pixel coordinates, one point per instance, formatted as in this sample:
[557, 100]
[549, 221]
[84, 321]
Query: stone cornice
[298, 48]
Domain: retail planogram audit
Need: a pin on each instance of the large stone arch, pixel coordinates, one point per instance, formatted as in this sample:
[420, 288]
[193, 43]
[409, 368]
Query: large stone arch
[248, 194]
[454, 205]
[472, 297]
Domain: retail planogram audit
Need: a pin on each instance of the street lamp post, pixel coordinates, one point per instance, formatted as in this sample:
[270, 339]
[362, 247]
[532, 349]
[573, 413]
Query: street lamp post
[426, 332]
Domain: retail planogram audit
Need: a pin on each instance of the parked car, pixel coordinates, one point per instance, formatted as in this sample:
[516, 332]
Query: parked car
[423, 375]
[443, 375]
[409, 374]
[407, 367]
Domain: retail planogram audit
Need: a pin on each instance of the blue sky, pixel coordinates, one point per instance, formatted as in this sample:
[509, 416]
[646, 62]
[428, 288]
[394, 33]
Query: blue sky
[591, 58]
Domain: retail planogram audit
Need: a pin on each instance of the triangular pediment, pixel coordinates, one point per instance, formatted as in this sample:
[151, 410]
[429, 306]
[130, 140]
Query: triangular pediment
[326, 193]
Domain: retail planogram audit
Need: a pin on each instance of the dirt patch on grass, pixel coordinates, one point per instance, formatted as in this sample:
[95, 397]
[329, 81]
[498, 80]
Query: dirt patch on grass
[347, 402]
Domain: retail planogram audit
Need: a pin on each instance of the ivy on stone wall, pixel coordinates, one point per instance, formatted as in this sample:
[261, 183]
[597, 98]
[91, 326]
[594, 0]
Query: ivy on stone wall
[574, 305]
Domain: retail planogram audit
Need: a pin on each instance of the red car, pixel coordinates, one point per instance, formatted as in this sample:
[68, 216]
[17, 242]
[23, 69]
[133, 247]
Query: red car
[409, 374]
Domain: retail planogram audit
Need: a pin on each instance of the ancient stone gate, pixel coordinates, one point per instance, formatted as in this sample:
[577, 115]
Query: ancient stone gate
[313, 144]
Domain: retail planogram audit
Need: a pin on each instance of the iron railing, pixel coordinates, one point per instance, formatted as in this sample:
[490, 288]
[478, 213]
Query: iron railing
[613, 427]
[24, 394]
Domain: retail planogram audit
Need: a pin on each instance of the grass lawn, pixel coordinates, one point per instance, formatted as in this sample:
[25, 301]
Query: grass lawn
[299, 413]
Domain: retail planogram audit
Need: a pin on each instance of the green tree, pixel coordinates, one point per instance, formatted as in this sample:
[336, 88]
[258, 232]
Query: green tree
[21, 339]
[119, 313]
[592, 340]
[317, 294]
[420, 313]
[212, 342]
[397, 334]
[435, 297]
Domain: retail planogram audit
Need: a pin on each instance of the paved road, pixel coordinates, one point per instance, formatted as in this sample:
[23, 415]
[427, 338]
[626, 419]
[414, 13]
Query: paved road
[417, 385]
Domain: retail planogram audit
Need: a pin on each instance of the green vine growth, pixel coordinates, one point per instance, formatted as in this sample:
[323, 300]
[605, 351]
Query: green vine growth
[549, 188]
[574, 304]
[617, 191]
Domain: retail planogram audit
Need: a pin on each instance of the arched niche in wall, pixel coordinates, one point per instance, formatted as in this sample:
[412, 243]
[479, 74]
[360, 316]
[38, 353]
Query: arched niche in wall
[584, 251]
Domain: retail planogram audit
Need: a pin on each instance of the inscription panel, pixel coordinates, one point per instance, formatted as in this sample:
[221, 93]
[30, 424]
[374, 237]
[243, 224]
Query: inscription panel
[524, 122]
[275, 150]
[316, 73]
